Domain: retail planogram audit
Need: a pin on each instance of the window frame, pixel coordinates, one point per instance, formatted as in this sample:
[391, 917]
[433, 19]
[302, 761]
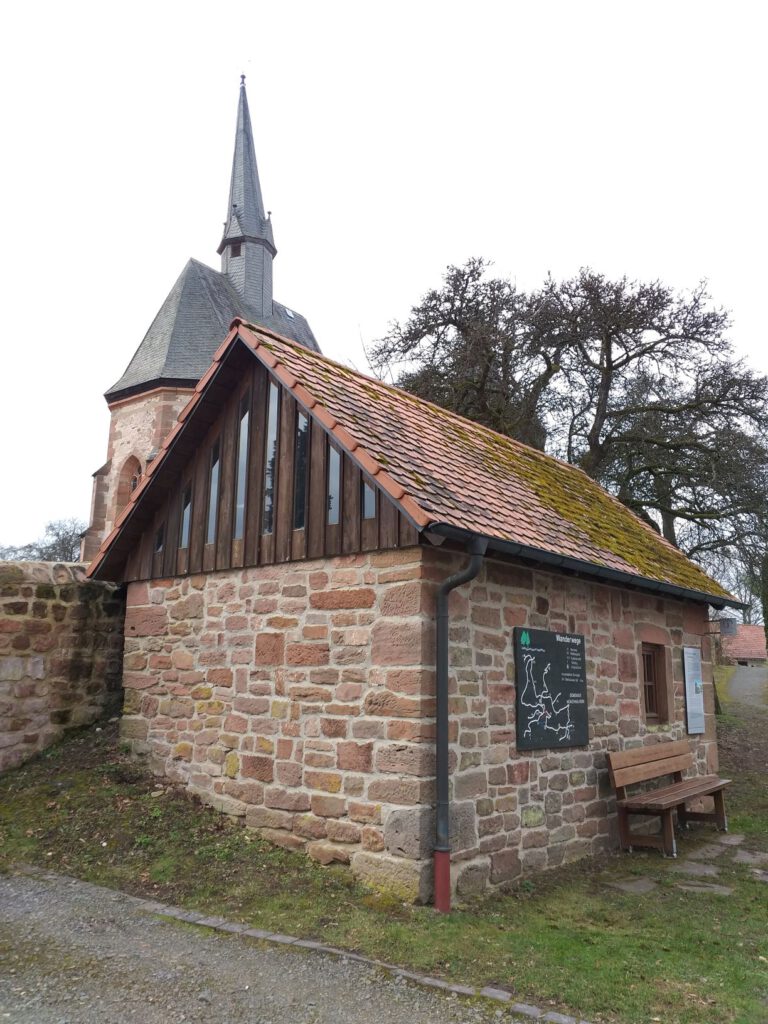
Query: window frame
[365, 489]
[212, 511]
[653, 662]
[339, 482]
[268, 514]
[241, 467]
[185, 504]
[302, 507]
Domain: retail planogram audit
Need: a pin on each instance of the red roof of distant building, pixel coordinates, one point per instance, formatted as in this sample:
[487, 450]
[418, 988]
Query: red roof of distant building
[747, 645]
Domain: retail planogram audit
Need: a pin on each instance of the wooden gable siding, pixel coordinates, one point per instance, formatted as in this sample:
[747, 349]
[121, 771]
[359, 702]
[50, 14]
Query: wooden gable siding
[250, 382]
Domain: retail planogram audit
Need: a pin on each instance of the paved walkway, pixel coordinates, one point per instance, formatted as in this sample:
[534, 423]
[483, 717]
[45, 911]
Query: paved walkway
[74, 953]
[749, 686]
[700, 865]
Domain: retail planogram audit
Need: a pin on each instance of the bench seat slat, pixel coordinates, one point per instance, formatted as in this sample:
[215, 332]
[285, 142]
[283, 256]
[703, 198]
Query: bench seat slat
[671, 796]
[642, 755]
[652, 770]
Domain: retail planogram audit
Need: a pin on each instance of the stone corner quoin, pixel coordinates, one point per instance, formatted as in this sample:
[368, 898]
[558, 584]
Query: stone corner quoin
[302, 697]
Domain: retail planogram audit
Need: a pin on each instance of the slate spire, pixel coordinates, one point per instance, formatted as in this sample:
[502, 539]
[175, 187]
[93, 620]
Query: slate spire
[247, 246]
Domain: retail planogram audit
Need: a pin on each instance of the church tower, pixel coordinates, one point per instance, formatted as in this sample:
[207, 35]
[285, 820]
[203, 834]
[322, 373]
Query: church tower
[179, 345]
[248, 246]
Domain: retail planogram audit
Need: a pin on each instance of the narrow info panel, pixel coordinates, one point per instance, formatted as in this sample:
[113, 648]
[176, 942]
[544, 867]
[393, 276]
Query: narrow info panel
[694, 691]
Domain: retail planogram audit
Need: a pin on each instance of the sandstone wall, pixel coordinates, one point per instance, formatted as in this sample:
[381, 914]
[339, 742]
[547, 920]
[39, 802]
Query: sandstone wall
[539, 809]
[302, 697]
[60, 654]
[137, 427]
[294, 695]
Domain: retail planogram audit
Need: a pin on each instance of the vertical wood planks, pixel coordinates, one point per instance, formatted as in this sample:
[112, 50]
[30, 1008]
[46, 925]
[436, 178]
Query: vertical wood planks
[318, 504]
[199, 492]
[225, 512]
[350, 508]
[285, 458]
[318, 539]
[253, 501]
[388, 524]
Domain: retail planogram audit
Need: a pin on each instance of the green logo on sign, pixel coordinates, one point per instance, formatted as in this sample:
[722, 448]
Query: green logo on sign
[525, 639]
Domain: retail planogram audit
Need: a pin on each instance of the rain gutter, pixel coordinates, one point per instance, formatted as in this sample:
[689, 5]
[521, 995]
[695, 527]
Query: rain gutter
[476, 547]
[583, 568]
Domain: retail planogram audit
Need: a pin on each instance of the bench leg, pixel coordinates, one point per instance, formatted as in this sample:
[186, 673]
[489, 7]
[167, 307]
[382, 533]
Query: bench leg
[668, 834]
[625, 836]
[682, 816]
[722, 820]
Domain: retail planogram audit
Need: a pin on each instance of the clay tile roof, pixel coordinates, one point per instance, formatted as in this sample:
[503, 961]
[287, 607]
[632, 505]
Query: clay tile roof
[747, 645]
[443, 469]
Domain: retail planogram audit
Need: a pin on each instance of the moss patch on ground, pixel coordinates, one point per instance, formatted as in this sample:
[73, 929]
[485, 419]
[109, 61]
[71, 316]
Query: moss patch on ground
[565, 940]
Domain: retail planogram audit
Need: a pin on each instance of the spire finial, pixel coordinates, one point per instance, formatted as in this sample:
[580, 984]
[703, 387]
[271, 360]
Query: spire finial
[242, 80]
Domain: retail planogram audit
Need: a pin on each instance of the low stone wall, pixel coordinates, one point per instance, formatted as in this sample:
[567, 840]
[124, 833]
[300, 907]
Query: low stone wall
[61, 639]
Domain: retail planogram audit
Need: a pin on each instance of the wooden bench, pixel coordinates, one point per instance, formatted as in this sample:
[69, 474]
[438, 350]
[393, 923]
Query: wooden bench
[644, 764]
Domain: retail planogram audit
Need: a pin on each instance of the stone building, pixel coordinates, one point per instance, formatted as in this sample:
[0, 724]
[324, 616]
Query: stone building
[347, 607]
[179, 345]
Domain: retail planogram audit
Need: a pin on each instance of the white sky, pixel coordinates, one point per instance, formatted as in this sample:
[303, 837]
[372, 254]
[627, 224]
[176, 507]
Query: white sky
[392, 139]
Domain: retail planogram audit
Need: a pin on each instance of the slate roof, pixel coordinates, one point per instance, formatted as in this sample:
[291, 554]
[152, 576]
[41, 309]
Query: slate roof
[245, 213]
[442, 469]
[748, 644]
[181, 341]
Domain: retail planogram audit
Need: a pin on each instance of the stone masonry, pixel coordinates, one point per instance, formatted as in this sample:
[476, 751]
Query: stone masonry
[301, 697]
[60, 654]
[137, 428]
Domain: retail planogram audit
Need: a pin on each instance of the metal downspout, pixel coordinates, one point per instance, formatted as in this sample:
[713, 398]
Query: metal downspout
[476, 549]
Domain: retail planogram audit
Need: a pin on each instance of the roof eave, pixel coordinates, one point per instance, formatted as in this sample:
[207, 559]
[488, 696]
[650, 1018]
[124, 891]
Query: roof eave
[257, 239]
[119, 394]
[583, 568]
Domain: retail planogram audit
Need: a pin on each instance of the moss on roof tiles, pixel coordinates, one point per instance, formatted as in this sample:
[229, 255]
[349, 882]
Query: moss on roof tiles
[577, 513]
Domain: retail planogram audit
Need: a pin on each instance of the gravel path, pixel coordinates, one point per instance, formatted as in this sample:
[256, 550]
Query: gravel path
[72, 953]
[749, 686]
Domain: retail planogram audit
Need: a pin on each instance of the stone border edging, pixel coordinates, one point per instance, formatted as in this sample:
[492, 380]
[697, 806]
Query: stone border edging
[220, 924]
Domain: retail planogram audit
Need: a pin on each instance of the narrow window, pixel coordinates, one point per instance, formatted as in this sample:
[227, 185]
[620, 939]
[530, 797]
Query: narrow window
[334, 485]
[213, 495]
[186, 517]
[242, 468]
[270, 461]
[653, 683]
[235, 249]
[159, 540]
[301, 462]
[368, 501]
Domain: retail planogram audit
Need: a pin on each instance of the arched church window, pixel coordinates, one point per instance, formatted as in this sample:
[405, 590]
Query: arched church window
[128, 481]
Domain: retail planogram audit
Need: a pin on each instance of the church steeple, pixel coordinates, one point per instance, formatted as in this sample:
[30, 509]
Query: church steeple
[248, 246]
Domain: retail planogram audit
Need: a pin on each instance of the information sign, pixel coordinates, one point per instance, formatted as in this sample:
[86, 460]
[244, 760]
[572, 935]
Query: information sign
[551, 698]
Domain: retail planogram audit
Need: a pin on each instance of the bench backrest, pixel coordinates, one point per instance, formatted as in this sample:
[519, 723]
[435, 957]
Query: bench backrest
[644, 763]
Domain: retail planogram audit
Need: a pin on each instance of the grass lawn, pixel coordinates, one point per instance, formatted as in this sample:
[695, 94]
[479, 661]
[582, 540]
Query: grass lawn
[565, 940]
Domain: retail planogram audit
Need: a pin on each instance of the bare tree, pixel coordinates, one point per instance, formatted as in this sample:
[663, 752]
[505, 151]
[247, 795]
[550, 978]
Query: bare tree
[61, 543]
[635, 383]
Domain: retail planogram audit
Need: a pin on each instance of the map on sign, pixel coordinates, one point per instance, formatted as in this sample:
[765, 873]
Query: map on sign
[551, 689]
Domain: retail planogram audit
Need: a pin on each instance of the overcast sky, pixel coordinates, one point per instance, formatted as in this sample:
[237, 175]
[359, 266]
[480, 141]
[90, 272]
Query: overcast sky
[392, 139]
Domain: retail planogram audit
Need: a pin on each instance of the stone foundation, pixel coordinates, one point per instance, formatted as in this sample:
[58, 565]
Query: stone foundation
[301, 697]
[60, 654]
